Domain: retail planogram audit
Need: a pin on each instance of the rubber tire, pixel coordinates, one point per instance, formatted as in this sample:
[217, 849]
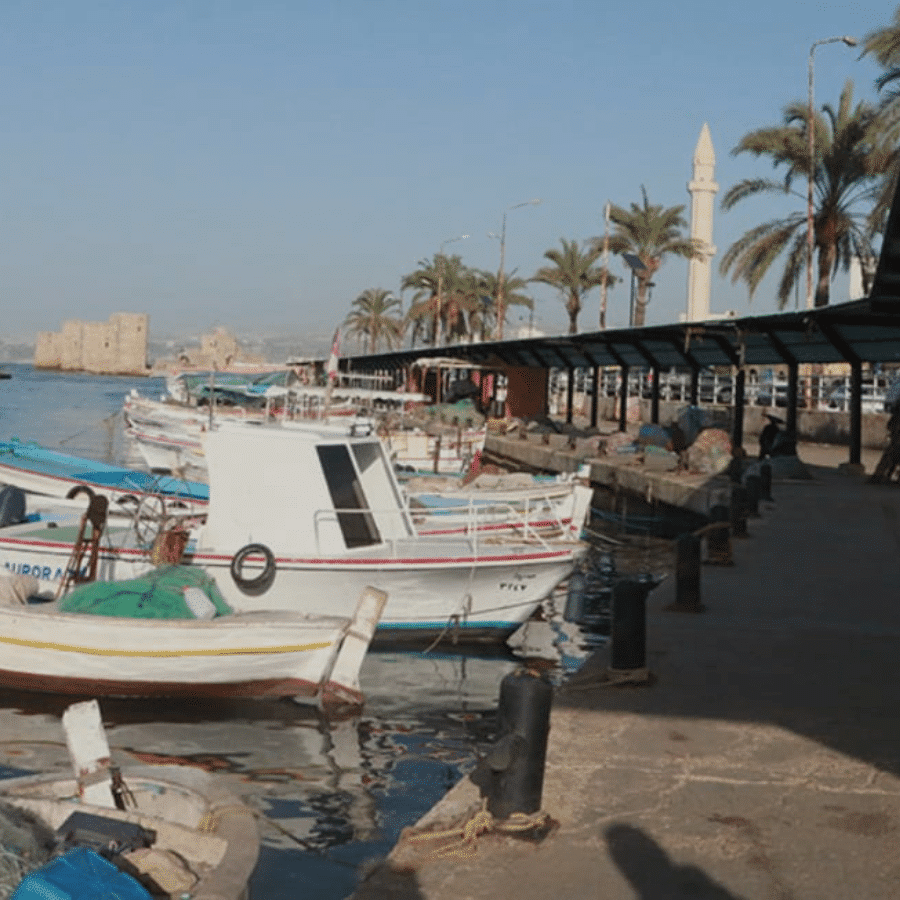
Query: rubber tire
[262, 582]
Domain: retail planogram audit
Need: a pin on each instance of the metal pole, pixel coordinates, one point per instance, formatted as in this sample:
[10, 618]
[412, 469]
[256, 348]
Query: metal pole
[810, 130]
[501, 275]
[605, 267]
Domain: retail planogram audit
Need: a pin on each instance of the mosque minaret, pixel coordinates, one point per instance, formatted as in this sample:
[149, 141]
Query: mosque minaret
[702, 188]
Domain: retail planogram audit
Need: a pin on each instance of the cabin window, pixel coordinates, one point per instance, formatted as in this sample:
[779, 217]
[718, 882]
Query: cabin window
[356, 522]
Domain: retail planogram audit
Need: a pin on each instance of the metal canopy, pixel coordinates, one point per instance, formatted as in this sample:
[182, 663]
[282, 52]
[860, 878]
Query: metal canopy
[858, 332]
[861, 331]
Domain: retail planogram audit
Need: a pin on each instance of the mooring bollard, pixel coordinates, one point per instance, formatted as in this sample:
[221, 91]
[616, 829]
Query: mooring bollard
[718, 540]
[753, 484]
[765, 478]
[511, 776]
[687, 575]
[628, 632]
[738, 510]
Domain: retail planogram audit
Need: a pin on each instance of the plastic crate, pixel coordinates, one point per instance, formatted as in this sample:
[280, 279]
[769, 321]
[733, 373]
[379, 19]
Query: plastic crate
[80, 874]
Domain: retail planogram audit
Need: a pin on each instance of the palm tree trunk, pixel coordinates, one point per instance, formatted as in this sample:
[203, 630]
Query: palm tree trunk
[826, 267]
[574, 308]
[640, 303]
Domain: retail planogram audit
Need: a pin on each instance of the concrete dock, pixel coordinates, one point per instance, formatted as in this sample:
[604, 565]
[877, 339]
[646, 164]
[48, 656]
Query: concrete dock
[761, 762]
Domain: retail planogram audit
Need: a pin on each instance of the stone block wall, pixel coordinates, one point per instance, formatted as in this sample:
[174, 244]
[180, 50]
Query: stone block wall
[116, 347]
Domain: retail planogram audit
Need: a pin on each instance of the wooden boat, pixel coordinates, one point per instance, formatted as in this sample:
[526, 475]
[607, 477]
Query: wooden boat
[304, 518]
[203, 841]
[44, 471]
[310, 658]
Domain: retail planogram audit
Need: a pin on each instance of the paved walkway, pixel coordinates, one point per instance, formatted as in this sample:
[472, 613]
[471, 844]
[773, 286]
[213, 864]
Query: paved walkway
[761, 763]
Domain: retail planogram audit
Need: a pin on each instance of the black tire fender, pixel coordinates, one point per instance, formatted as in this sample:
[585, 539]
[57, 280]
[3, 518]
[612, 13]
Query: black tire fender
[263, 581]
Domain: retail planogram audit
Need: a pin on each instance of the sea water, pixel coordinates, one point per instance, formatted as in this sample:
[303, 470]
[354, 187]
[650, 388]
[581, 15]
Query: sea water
[330, 795]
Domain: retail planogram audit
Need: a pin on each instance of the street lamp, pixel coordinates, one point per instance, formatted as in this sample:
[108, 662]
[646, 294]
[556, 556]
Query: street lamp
[810, 130]
[437, 325]
[636, 264]
[501, 275]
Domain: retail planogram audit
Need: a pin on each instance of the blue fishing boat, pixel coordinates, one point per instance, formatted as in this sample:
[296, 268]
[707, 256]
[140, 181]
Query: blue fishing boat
[43, 471]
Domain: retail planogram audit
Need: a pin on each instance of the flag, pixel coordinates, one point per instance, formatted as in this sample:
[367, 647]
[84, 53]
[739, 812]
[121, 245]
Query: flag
[335, 353]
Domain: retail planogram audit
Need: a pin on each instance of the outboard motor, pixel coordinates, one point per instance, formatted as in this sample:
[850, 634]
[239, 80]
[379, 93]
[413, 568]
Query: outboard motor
[12, 505]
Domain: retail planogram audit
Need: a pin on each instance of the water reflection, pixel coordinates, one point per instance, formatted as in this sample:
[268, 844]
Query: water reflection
[330, 795]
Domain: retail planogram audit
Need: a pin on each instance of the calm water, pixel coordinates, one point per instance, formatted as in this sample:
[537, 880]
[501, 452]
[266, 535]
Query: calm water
[330, 795]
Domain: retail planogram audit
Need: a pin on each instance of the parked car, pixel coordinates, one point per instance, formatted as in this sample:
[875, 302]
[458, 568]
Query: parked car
[775, 394]
[873, 399]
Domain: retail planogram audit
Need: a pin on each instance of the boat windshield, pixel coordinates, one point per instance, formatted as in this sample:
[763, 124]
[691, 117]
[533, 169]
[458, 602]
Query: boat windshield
[357, 524]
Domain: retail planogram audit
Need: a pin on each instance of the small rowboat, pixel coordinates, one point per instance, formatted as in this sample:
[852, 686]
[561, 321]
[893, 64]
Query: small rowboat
[195, 838]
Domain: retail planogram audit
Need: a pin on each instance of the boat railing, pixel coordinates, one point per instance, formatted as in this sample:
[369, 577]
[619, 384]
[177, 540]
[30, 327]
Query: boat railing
[480, 525]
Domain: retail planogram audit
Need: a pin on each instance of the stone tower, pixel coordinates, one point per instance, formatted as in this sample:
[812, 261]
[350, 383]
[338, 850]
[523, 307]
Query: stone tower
[702, 189]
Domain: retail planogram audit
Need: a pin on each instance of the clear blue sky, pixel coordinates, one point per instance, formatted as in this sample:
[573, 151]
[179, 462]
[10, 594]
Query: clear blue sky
[257, 164]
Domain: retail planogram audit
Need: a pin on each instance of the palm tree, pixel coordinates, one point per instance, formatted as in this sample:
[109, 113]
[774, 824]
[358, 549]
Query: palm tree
[485, 316]
[651, 232]
[373, 318]
[573, 274]
[884, 45]
[852, 150]
[443, 294]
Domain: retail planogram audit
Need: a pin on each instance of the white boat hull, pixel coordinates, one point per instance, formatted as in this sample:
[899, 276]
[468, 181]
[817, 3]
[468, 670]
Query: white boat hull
[250, 654]
[476, 598]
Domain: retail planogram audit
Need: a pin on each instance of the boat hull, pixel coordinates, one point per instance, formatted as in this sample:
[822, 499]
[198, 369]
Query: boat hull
[476, 598]
[188, 811]
[245, 655]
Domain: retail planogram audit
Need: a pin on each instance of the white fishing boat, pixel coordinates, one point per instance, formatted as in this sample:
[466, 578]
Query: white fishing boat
[507, 502]
[174, 829]
[54, 474]
[303, 519]
[141, 639]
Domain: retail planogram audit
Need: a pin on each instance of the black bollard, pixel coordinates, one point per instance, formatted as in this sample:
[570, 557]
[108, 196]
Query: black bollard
[718, 540]
[511, 776]
[687, 575]
[738, 510]
[765, 479]
[753, 484]
[628, 631]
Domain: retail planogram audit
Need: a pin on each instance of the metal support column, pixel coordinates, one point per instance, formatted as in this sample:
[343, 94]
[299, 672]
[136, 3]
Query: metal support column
[695, 385]
[570, 393]
[623, 399]
[793, 393]
[654, 396]
[737, 424]
[855, 413]
[595, 394]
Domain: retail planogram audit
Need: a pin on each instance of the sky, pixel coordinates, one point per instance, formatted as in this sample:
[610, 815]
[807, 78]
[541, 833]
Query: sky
[257, 164]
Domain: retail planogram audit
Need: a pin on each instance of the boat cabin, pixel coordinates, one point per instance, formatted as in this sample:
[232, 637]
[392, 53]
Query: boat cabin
[300, 489]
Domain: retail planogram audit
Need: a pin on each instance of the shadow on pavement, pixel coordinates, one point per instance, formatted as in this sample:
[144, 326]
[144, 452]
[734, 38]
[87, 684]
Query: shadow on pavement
[652, 873]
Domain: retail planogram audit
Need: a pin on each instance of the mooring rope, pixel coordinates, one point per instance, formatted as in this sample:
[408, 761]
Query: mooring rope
[461, 841]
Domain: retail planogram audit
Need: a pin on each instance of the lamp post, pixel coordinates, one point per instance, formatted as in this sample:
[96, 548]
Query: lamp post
[810, 130]
[438, 336]
[605, 270]
[501, 275]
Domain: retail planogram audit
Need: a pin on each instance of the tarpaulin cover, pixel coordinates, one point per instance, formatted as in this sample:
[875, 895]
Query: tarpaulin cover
[157, 595]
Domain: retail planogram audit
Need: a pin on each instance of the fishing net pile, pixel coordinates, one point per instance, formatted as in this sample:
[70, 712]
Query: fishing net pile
[26, 844]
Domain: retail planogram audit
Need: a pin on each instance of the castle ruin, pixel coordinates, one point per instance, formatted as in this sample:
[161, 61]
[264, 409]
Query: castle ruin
[116, 347]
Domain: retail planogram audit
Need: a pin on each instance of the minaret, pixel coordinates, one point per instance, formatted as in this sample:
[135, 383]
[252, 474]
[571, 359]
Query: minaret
[702, 189]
